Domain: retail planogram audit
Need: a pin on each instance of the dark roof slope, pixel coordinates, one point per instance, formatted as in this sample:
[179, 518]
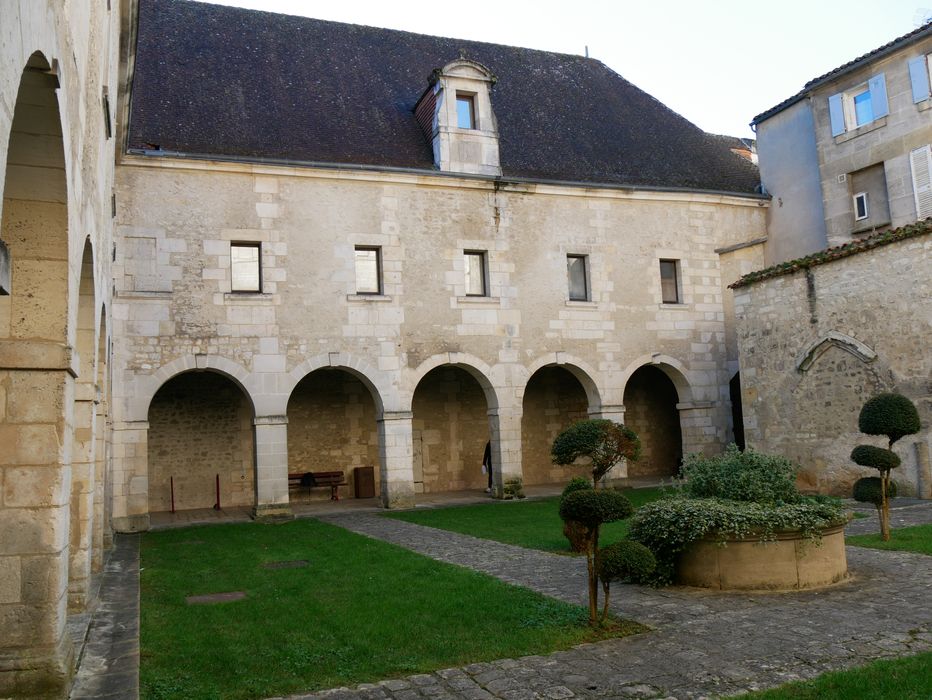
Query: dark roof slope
[223, 81]
[879, 52]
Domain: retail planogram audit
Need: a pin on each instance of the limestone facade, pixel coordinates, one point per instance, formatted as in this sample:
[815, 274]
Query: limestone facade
[58, 66]
[818, 342]
[415, 379]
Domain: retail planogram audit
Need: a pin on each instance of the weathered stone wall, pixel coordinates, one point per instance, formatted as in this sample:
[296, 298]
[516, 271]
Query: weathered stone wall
[802, 396]
[331, 427]
[451, 425]
[200, 426]
[553, 400]
[650, 410]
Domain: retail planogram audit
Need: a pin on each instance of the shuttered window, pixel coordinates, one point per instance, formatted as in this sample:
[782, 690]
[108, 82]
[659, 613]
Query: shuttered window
[920, 161]
[858, 106]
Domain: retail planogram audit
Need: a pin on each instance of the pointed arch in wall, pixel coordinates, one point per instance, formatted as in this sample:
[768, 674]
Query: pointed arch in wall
[845, 342]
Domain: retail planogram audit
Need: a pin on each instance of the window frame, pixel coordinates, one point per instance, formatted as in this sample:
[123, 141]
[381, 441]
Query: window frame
[470, 99]
[587, 292]
[677, 286]
[257, 246]
[866, 200]
[482, 255]
[849, 100]
[378, 269]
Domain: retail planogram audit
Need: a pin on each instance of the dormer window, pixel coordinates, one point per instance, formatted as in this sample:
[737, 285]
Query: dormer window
[455, 113]
[465, 111]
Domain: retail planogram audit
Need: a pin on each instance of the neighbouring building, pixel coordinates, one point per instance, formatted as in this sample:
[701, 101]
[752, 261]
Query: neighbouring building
[847, 163]
[849, 154]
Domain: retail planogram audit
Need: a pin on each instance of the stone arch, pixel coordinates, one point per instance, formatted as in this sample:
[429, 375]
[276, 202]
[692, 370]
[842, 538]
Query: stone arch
[378, 384]
[201, 442]
[150, 385]
[674, 369]
[580, 369]
[475, 367]
[39, 372]
[811, 352]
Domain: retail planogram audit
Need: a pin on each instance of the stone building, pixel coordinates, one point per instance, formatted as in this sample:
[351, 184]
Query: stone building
[350, 246]
[849, 154]
[58, 73]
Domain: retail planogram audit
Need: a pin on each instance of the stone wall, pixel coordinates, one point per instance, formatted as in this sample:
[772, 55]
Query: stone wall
[816, 344]
[200, 427]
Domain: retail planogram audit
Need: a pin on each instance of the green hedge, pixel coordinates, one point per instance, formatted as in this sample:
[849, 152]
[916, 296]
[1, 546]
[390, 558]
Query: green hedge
[741, 476]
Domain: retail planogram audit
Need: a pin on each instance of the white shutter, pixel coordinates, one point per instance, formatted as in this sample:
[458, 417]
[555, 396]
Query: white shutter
[920, 161]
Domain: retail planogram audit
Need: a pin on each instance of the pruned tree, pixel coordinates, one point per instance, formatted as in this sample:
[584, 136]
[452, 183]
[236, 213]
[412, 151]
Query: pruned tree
[893, 416]
[603, 441]
[623, 560]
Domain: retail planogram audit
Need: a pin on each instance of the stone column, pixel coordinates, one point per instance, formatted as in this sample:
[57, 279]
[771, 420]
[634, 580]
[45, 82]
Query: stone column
[99, 521]
[617, 475]
[925, 470]
[271, 468]
[83, 475]
[36, 409]
[130, 476]
[396, 454]
[505, 432]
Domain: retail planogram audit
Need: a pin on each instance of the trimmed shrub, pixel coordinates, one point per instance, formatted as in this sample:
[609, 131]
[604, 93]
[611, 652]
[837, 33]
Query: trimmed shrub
[620, 561]
[593, 507]
[576, 533]
[892, 415]
[876, 457]
[668, 526]
[741, 476]
[603, 441]
[869, 490]
[577, 483]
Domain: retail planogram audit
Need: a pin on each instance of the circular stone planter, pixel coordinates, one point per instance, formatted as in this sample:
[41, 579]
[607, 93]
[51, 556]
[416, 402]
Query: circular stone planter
[791, 562]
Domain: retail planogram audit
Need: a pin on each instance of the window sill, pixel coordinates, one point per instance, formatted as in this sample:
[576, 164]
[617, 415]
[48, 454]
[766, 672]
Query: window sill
[139, 294]
[491, 301]
[861, 130]
[926, 104]
[870, 230]
[368, 297]
[580, 302]
[673, 305]
[247, 296]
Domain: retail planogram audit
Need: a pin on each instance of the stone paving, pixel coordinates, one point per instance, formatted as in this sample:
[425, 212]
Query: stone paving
[703, 644]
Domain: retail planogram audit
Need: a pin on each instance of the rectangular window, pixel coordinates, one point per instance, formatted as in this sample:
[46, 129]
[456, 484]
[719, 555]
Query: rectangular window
[859, 106]
[860, 206]
[576, 277]
[863, 113]
[245, 267]
[669, 287]
[474, 268]
[368, 270]
[465, 111]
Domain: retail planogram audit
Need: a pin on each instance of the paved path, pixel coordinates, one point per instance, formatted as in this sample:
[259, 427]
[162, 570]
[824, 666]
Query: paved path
[703, 644]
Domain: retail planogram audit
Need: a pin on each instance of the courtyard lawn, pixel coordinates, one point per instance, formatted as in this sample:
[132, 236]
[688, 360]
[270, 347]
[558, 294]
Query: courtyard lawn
[904, 539]
[534, 524]
[360, 610]
[908, 678]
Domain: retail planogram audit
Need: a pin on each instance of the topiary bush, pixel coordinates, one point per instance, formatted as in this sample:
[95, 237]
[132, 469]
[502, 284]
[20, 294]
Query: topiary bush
[668, 526]
[894, 416]
[591, 508]
[603, 441]
[869, 489]
[576, 533]
[622, 560]
[741, 476]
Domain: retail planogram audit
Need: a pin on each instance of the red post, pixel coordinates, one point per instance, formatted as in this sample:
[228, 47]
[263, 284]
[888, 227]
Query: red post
[217, 504]
[171, 482]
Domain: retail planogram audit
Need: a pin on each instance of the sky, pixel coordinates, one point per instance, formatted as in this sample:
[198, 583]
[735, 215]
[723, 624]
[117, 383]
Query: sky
[716, 62]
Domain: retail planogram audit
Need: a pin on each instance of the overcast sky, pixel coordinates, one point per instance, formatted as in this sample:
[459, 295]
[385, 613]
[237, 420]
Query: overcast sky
[716, 62]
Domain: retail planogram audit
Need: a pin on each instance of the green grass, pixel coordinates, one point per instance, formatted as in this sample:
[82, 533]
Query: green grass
[904, 539]
[534, 524]
[908, 678]
[362, 610]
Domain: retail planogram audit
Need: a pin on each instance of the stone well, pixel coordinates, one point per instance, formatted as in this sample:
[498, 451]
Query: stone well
[790, 562]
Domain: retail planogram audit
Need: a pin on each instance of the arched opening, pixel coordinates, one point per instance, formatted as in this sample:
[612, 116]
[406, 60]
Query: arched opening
[103, 486]
[650, 410]
[83, 470]
[450, 427]
[201, 444]
[553, 399]
[332, 427]
[737, 413]
[36, 381]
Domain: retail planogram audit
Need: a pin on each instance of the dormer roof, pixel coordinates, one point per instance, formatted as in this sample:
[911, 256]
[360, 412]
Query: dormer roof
[224, 82]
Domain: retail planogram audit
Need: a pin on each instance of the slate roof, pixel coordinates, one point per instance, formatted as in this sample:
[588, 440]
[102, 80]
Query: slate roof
[226, 82]
[879, 52]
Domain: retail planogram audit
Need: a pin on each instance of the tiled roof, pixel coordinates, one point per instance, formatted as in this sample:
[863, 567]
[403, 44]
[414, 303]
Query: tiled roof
[920, 228]
[225, 82]
[879, 52]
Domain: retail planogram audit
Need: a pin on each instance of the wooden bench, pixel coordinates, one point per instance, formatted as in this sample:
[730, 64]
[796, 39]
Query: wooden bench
[313, 480]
